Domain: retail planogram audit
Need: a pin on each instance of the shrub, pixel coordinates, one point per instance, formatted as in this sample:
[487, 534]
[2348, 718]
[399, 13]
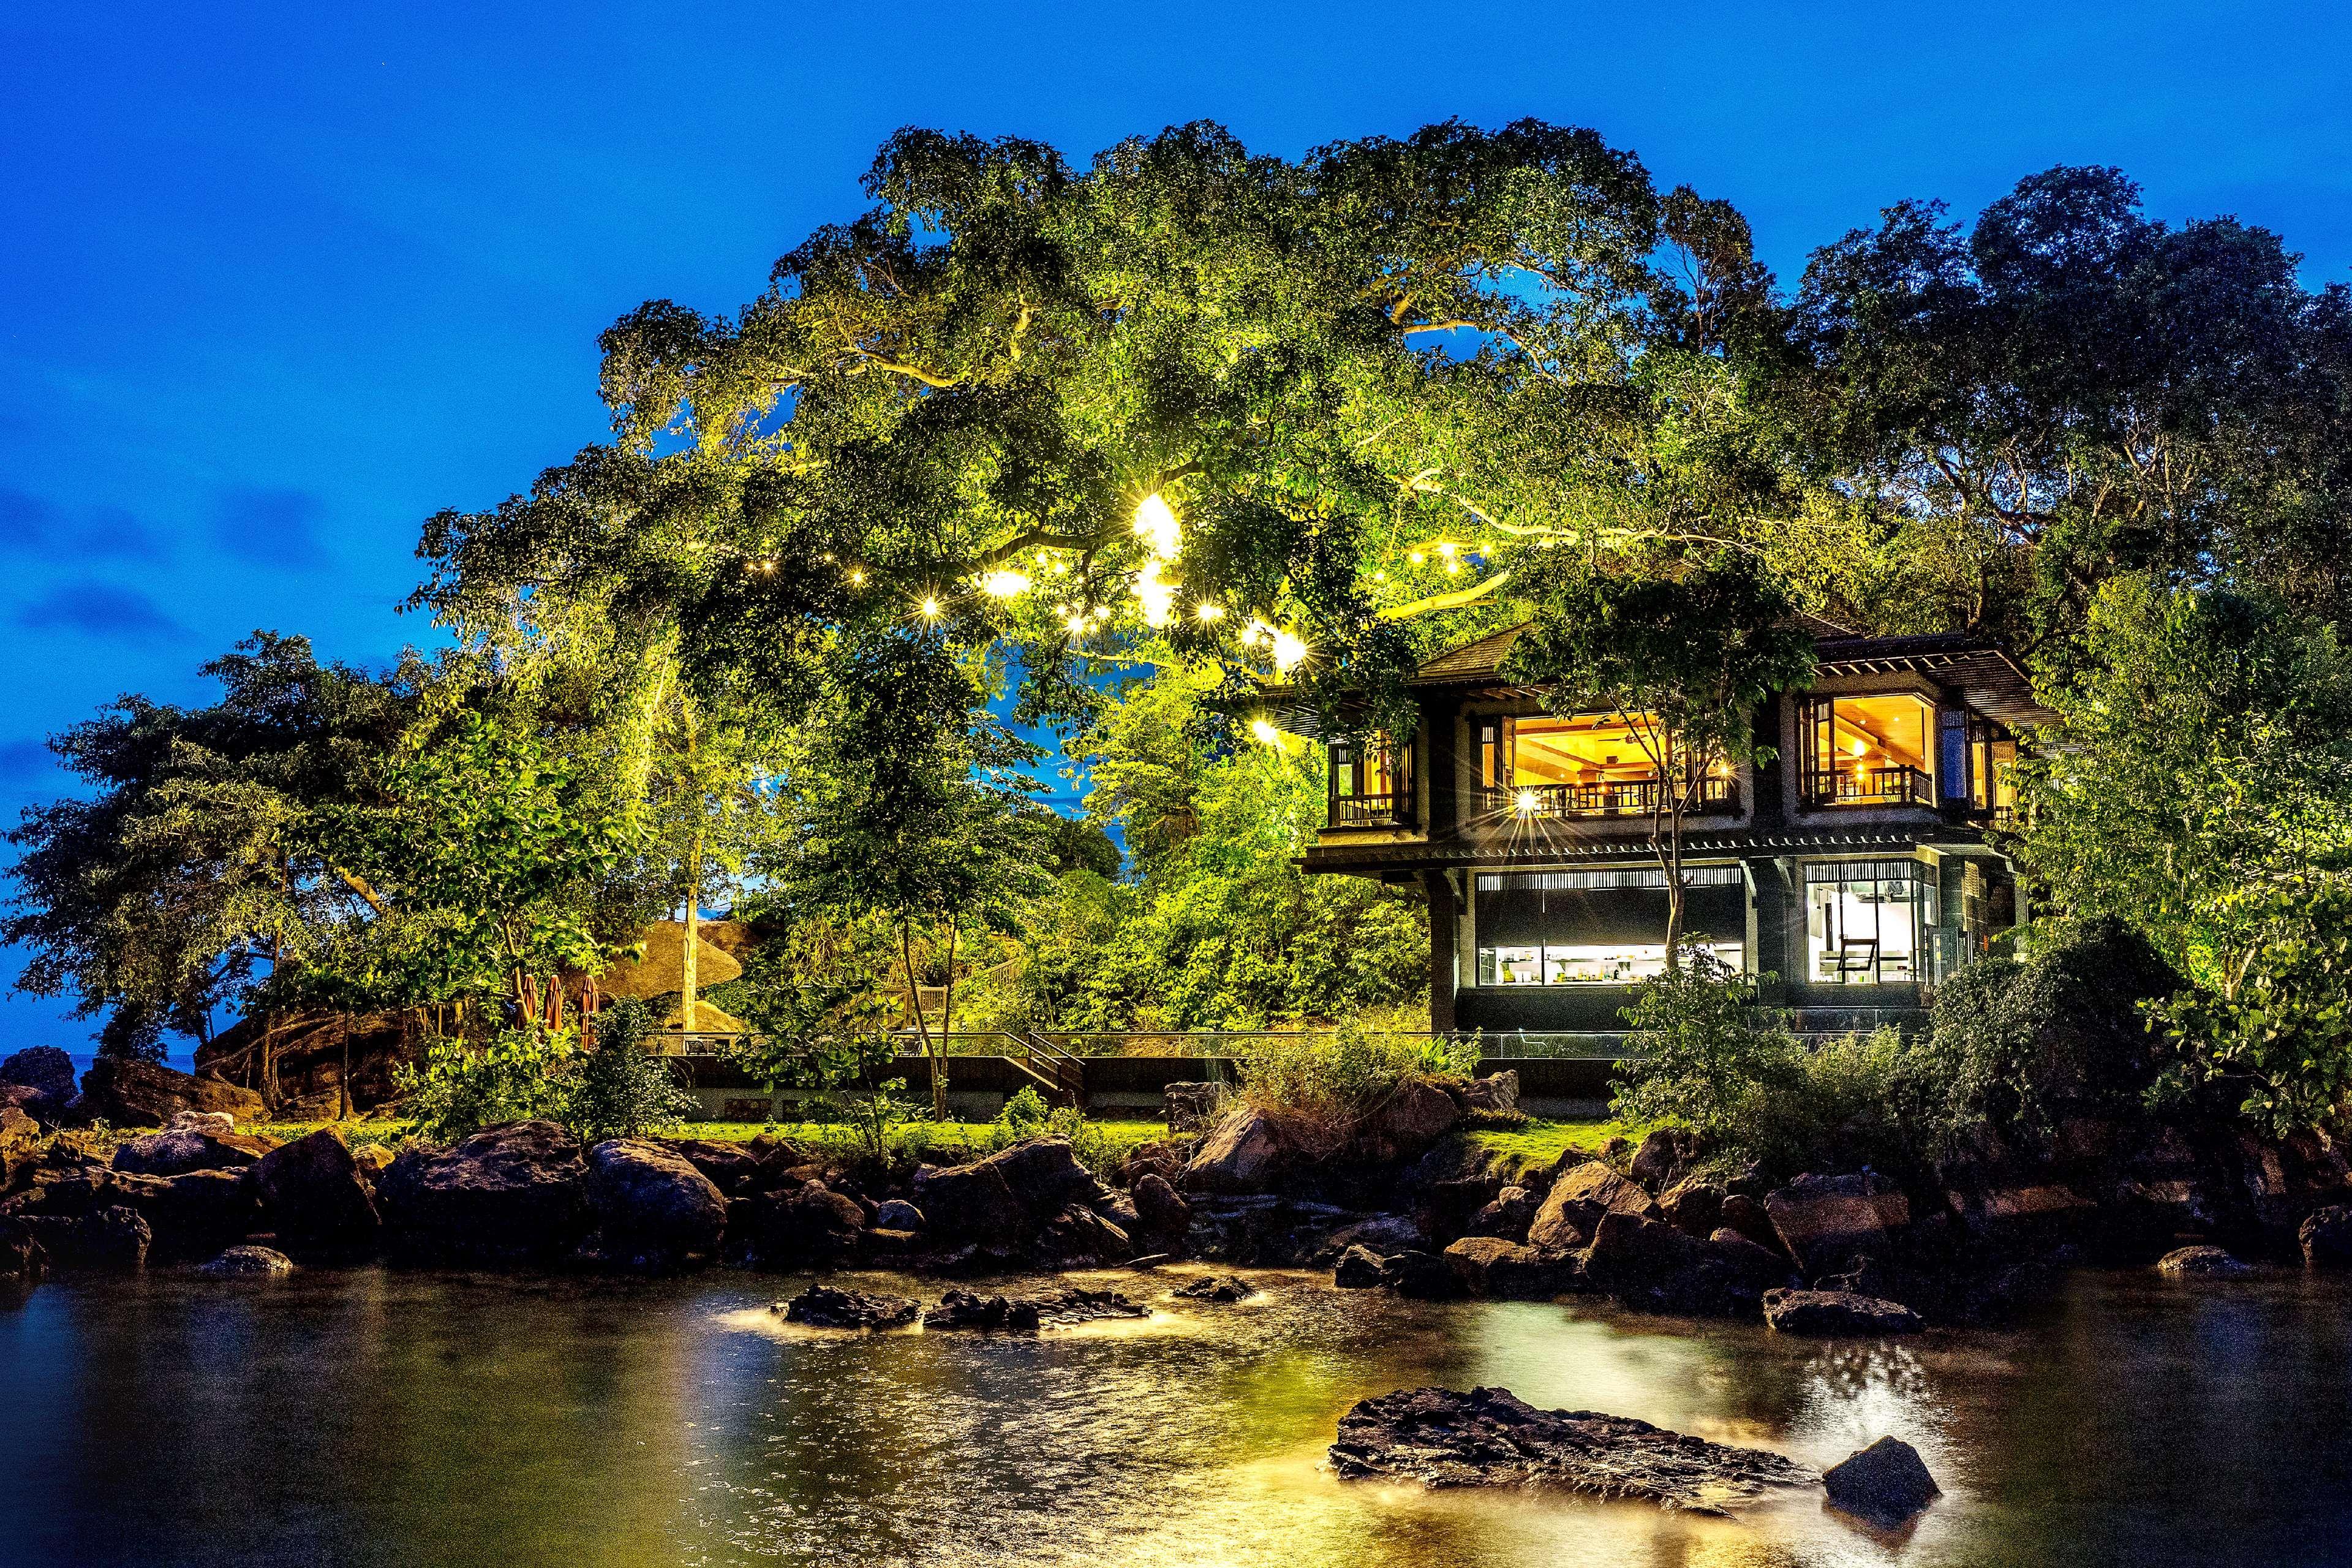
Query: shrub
[2023, 1044]
[617, 1089]
[466, 1085]
[1325, 1085]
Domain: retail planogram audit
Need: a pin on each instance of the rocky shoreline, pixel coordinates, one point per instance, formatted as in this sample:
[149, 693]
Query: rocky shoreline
[1401, 1204]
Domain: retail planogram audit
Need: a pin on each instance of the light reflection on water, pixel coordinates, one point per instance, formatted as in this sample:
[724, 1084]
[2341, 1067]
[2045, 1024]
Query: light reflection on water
[366, 1418]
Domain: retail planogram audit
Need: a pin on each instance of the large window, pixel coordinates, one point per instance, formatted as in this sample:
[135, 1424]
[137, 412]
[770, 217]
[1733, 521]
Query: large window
[1371, 781]
[1870, 750]
[1600, 928]
[1992, 757]
[1869, 923]
[1586, 764]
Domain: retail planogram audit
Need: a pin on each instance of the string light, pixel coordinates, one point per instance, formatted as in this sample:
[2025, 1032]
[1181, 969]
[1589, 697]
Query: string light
[1416, 558]
[857, 576]
[1209, 612]
[1289, 649]
[1004, 584]
[1267, 734]
[1155, 523]
[931, 608]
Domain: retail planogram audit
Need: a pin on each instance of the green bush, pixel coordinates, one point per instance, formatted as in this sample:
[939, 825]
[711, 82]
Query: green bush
[613, 1087]
[617, 1089]
[1711, 1057]
[2021, 1045]
[1325, 1084]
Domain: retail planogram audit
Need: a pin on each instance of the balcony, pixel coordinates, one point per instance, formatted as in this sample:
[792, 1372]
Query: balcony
[1896, 784]
[1370, 810]
[1617, 797]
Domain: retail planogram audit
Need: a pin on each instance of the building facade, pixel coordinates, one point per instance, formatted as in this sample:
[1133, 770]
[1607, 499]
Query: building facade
[1856, 867]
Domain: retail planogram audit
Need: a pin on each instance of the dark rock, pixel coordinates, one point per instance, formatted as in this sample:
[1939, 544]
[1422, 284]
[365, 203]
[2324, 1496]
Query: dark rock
[130, 1093]
[823, 1307]
[1508, 1216]
[1160, 1212]
[116, 1236]
[20, 1142]
[1063, 1308]
[1358, 1268]
[1865, 1277]
[1242, 1154]
[963, 1309]
[1416, 1115]
[1826, 1222]
[1163, 1157]
[1187, 1107]
[39, 1108]
[23, 1259]
[1485, 1438]
[1491, 1266]
[1216, 1288]
[1079, 1235]
[1382, 1233]
[898, 1214]
[1653, 1162]
[2201, 1262]
[1045, 1176]
[1121, 1210]
[1647, 1262]
[1746, 1215]
[2327, 1237]
[1496, 1094]
[1615, 1147]
[247, 1263]
[782, 1230]
[655, 1208]
[1836, 1312]
[1452, 1202]
[45, 1068]
[1420, 1276]
[1754, 1269]
[970, 1204]
[194, 1214]
[1692, 1206]
[516, 1194]
[1571, 1211]
[733, 1168]
[177, 1152]
[315, 1197]
[1885, 1484]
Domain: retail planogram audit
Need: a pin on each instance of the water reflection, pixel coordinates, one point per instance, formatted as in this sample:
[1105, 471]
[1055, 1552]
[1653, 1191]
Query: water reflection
[367, 1417]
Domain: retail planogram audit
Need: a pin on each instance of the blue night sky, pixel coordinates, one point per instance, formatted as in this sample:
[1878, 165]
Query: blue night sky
[277, 282]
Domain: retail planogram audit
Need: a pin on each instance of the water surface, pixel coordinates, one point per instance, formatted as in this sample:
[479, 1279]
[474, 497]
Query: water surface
[370, 1416]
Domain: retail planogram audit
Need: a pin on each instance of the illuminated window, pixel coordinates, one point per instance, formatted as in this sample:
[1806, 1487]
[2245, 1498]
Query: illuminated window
[1869, 751]
[1370, 782]
[1868, 922]
[1600, 928]
[1992, 763]
[1585, 765]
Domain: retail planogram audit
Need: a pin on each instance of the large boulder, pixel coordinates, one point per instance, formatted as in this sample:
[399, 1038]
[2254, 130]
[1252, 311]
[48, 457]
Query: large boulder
[1162, 1214]
[180, 1150]
[1653, 1162]
[1571, 1211]
[1885, 1484]
[1649, 1263]
[1497, 1094]
[1837, 1312]
[193, 1215]
[1827, 1222]
[23, 1259]
[1490, 1266]
[1508, 1216]
[1420, 1276]
[2327, 1237]
[1692, 1206]
[1415, 1115]
[1079, 1236]
[20, 1142]
[654, 1208]
[729, 1167]
[1485, 1438]
[132, 1093]
[1243, 1154]
[809, 1222]
[516, 1194]
[115, 1236]
[823, 1307]
[1747, 1215]
[1007, 1198]
[1358, 1268]
[45, 1068]
[248, 1263]
[316, 1201]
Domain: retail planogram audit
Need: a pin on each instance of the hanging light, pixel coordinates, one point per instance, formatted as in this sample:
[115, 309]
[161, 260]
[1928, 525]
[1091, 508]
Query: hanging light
[1289, 649]
[1209, 612]
[1528, 802]
[857, 576]
[1266, 733]
[1156, 525]
[1004, 584]
[930, 608]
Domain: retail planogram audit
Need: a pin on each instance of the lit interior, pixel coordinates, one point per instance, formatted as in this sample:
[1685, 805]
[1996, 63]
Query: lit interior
[1880, 731]
[1865, 931]
[1584, 964]
[1586, 749]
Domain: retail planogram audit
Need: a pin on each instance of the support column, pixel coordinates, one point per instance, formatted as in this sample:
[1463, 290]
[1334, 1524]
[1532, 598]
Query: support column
[1443, 916]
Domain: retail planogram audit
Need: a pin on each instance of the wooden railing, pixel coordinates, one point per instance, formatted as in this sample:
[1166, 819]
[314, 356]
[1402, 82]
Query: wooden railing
[1625, 797]
[1896, 784]
[1358, 810]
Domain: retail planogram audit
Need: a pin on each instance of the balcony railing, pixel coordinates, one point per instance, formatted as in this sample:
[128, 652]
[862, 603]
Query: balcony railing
[1897, 783]
[1627, 797]
[1360, 810]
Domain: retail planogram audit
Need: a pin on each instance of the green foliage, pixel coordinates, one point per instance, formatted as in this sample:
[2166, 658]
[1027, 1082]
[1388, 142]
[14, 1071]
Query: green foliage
[465, 1086]
[1711, 1059]
[1024, 1115]
[2021, 1045]
[2203, 757]
[617, 1088]
[1329, 1082]
[2283, 1037]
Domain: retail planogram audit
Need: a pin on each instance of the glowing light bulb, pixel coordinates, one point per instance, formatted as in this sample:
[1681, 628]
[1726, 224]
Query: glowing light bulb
[856, 576]
[1453, 567]
[1156, 592]
[1862, 748]
[1266, 733]
[1379, 576]
[1156, 524]
[1209, 612]
[1416, 558]
[1287, 651]
[1445, 548]
[1527, 803]
[931, 608]
[1005, 585]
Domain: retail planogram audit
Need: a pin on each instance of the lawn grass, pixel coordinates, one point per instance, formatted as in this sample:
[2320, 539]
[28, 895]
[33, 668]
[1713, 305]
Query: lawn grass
[1541, 1143]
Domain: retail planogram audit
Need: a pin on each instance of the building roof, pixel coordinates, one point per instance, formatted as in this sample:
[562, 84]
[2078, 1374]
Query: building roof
[1983, 672]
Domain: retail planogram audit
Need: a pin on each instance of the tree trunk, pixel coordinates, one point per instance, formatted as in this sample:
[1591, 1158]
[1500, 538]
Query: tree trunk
[947, 1008]
[343, 1111]
[922, 1028]
[690, 963]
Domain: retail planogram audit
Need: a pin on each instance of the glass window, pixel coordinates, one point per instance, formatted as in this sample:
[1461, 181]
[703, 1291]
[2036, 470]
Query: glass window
[1869, 923]
[1600, 927]
[1583, 764]
[1870, 750]
[1370, 782]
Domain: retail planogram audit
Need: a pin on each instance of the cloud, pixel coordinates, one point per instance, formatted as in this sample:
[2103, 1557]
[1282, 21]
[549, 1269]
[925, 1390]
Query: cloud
[99, 610]
[35, 526]
[272, 528]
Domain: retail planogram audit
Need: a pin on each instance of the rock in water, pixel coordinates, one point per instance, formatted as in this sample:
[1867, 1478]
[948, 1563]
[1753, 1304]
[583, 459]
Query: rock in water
[657, 1210]
[1488, 1438]
[2327, 1237]
[1886, 1483]
[314, 1197]
[1243, 1154]
[962, 1310]
[1827, 1222]
[823, 1307]
[516, 1194]
[247, 1263]
[1078, 1306]
[1216, 1288]
[1358, 1269]
[898, 1214]
[1836, 1312]
[2203, 1262]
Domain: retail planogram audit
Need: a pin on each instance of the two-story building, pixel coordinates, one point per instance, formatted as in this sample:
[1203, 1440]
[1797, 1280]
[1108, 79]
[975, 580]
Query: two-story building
[1855, 866]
